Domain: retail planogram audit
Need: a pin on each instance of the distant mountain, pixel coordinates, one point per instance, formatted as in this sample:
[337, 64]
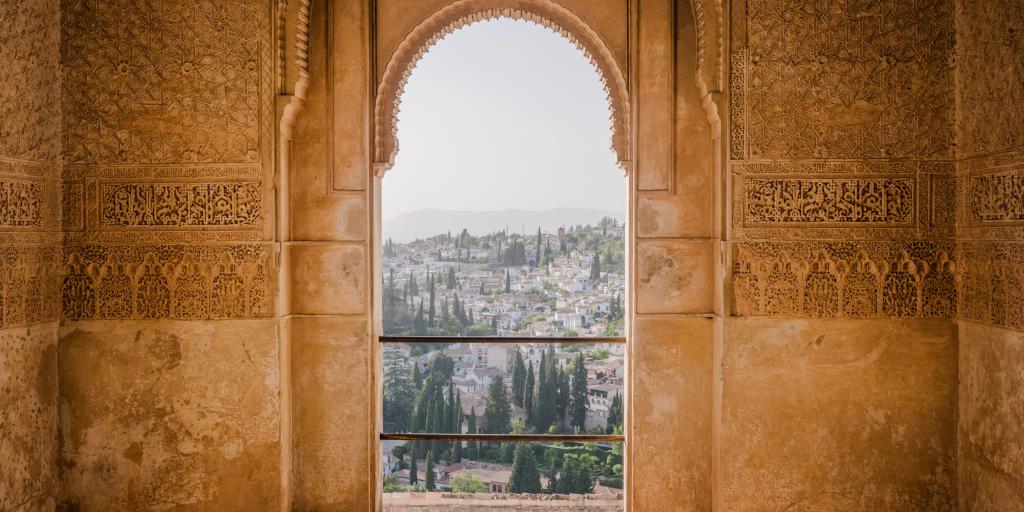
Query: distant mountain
[409, 226]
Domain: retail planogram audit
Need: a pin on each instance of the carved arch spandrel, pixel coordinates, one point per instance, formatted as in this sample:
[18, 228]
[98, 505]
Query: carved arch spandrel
[466, 12]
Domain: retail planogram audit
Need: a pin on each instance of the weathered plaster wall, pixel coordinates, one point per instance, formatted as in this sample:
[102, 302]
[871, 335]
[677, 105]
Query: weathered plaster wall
[990, 239]
[28, 417]
[30, 225]
[825, 415]
[839, 362]
[991, 432]
[168, 122]
[169, 414]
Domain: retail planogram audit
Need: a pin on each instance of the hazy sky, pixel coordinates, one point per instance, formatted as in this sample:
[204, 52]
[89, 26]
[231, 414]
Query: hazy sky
[503, 114]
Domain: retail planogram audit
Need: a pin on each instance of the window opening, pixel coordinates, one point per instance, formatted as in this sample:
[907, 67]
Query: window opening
[503, 346]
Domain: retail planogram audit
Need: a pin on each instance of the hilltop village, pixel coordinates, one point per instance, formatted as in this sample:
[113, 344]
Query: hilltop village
[555, 285]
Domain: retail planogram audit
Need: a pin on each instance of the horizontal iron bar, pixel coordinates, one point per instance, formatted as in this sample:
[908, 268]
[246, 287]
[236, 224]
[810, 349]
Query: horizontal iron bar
[579, 438]
[447, 340]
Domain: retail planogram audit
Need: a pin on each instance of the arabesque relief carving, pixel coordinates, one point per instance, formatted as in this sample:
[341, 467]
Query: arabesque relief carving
[990, 71]
[826, 88]
[992, 282]
[21, 203]
[997, 197]
[844, 279]
[180, 204]
[168, 281]
[30, 127]
[829, 200]
[843, 200]
[158, 96]
[29, 284]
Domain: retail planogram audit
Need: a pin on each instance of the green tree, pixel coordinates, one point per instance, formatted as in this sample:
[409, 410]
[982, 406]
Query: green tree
[614, 414]
[508, 281]
[399, 393]
[432, 312]
[525, 476]
[564, 394]
[578, 401]
[438, 447]
[537, 256]
[577, 475]
[595, 268]
[518, 379]
[473, 452]
[545, 399]
[414, 288]
[465, 482]
[430, 471]
[451, 282]
[419, 325]
[528, 394]
[497, 413]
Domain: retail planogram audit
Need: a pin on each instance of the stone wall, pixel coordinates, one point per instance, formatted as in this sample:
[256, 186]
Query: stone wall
[990, 239]
[30, 226]
[842, 279]
[169, 381]
[137, 154]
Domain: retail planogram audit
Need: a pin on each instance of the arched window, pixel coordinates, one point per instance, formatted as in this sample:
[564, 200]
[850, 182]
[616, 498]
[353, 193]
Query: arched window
[503, 271]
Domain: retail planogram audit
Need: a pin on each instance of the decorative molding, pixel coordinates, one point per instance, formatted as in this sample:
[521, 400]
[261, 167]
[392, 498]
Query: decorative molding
[464, 12]
[22, 203]
[843, 200]
[738, 105]
[29, 284]
[180, 204]
[815, 201]
[844, 279]
[168, 281]
[997, 197]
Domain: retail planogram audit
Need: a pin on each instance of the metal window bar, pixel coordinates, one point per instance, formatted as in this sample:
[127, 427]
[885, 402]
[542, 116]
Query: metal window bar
[448, 340]
[539, 438]
[507, 340]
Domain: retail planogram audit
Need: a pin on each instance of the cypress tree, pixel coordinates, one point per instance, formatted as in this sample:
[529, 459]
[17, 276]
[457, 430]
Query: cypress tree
[518, 379]
[595, 268]
[563, 395]
[497, 415]
[537, 257]
[414, 288]
[508, 281]
[438, 447]
[578, 401]
[482, 291]
[451, 278]
[428, 425]
[457, 448]
[419, 324]
[430, 471]
[528, 395]
[614, 414]
[474, 451]
[414, 477]
[545, 392]
[525, 476]
[432, 312]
